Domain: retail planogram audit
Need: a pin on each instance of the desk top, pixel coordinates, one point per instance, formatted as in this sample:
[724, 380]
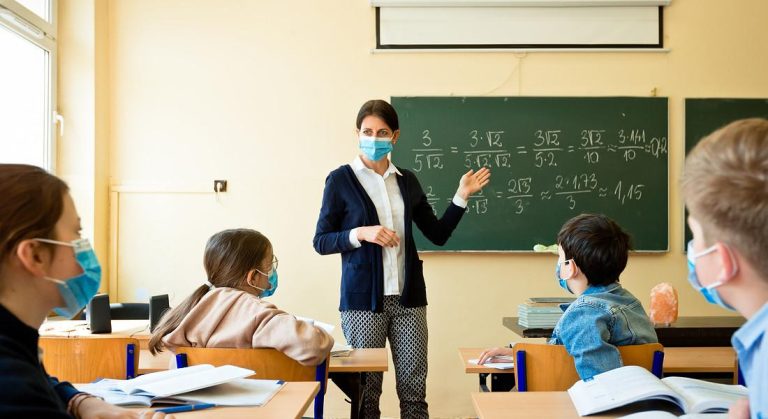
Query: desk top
[686, 331]
[290, 402]
[359, 360]
[138, 329]
[676, 360]
[541, 405]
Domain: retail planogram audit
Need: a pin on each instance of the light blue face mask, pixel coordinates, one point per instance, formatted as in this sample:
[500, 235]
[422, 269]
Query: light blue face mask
[272, 278]
[563, 283]
[78, 291]
[710, 292]
[375, 148]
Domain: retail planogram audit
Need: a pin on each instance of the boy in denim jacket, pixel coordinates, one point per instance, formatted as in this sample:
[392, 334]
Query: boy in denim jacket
[725, 186]
[593, 252]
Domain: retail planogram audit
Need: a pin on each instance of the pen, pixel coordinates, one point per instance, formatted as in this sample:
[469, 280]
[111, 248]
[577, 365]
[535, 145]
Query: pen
[185, 408]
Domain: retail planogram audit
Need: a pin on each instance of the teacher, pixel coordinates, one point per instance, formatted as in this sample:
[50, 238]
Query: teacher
[368, 211]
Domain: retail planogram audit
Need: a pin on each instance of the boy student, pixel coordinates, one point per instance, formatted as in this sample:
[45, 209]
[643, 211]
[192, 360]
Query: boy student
[725, 186]
[593, 252]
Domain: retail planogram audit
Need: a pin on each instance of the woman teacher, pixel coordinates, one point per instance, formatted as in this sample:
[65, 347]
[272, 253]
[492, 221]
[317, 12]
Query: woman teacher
[368, 212]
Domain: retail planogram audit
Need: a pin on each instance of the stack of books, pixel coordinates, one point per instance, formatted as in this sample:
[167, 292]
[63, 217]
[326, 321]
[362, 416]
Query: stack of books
[541, 313]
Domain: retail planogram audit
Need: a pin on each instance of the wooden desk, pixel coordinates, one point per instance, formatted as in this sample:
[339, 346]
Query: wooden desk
[697, 360]
[138, 329]
[290, 402]
[347, 372]
[542, 405]
[686, 331]
[501, 380]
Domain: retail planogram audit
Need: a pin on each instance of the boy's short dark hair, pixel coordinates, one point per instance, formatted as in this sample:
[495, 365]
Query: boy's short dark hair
[598, 245]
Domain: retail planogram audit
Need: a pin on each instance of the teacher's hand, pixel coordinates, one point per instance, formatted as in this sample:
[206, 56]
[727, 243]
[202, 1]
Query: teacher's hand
[380, 235]
[473, 182]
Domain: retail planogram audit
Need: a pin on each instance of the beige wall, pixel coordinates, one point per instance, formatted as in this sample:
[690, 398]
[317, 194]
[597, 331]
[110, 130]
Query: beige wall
[264, 94]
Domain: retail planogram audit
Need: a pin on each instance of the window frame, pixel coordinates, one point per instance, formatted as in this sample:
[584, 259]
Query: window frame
[47, 42]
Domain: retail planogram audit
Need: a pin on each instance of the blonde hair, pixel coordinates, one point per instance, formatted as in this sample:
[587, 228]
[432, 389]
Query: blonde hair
[725, 186]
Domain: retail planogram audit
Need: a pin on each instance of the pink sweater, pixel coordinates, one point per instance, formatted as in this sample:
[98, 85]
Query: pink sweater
[231, 318]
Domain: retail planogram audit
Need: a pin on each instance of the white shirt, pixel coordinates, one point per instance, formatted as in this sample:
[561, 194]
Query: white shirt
[386, 197]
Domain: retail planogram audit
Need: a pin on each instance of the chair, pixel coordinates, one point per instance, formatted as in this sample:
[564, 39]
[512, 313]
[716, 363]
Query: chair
[269, 364]
[544, 367]
[83, 360]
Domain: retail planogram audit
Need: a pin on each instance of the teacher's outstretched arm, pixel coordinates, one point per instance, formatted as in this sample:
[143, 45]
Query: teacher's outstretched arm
[439, 230]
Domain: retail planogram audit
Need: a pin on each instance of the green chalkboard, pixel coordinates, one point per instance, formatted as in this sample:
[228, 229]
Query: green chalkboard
[703, 116]
[551, 158]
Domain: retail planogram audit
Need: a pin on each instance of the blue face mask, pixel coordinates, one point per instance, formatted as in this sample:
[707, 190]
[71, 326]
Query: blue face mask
[710, 292]
[563, 283]
[78, 291]
[272, 278]
[375, 148]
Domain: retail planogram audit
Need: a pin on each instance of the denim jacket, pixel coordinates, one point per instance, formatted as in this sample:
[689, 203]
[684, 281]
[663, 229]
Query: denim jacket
[604, 317]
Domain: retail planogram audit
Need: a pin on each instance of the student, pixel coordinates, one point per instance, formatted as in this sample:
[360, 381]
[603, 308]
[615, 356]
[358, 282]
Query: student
[368, 214]
[44, 264]
[725, 186]
[228, 310]
[593, 252]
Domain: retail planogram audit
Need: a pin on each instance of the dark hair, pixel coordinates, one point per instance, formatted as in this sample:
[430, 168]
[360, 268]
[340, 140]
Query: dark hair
[379, 108]
[229, 256]
[598, 245]
[31, 203]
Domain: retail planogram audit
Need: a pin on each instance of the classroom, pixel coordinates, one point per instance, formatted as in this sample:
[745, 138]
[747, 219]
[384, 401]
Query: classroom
[161, 98]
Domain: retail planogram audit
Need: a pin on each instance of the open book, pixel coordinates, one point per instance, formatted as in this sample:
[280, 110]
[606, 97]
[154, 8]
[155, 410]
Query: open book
[225, 385]
[630, 384]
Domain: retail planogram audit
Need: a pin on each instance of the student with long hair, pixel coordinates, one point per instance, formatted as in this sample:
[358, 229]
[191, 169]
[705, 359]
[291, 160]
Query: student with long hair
[44, 265]
[229, 311]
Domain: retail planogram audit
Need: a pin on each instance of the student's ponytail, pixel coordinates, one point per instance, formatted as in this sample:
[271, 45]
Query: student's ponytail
[229, 256]
[172, 319]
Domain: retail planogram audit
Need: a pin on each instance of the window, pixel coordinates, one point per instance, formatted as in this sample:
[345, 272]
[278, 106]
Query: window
[519, 24]
[27, 76]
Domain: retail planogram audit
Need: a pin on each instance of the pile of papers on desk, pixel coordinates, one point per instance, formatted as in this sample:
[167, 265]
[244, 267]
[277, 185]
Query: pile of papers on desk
[542, 312]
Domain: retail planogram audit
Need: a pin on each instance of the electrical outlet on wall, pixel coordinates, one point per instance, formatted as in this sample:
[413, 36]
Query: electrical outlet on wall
[219, 186]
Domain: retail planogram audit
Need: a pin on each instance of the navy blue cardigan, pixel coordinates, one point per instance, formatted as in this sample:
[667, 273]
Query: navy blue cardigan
[346, 205]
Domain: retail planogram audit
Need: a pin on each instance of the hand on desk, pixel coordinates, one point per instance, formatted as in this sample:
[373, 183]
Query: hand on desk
[490, 353]
[95, 408]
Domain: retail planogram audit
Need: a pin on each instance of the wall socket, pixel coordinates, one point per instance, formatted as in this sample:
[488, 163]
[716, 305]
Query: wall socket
[219, 186]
